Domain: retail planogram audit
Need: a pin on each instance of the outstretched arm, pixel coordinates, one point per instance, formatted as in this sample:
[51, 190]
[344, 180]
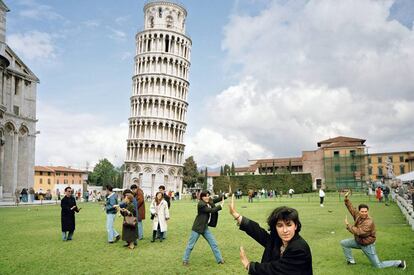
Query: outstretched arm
[348, 205]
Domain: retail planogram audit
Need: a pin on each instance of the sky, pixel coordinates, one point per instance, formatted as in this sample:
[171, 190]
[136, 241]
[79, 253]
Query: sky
[267, 78]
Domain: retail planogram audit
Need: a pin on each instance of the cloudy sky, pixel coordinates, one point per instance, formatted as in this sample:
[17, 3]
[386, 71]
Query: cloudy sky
[268, 78]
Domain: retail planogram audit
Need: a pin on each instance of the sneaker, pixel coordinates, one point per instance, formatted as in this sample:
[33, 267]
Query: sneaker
[221, 262]
[185, 263]
[117, 238]
[403, 265]
[110, 242]
[351, 263]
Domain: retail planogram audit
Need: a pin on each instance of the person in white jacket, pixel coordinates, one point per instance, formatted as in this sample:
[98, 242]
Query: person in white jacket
[159, 215]
[321, 196]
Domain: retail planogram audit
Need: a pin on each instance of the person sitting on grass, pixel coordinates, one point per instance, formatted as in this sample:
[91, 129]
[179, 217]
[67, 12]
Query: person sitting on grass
[286, 252]
[207, 215]
[364, 237]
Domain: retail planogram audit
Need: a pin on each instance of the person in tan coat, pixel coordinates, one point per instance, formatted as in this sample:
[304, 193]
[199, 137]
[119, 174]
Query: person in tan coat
[139, 196]
[363, 230]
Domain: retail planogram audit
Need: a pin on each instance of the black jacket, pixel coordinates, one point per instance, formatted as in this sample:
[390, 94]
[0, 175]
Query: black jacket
[68, 215]
[204, 213]
[296, 259]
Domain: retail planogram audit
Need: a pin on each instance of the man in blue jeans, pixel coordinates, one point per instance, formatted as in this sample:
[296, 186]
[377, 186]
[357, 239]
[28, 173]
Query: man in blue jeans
[364, 237]
[110, 207]
[207, 215]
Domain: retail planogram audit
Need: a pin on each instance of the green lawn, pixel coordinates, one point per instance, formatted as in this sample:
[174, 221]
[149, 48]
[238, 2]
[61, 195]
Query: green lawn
[30, 240]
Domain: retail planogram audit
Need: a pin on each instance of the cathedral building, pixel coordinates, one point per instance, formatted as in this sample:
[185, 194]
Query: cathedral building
[17, 118]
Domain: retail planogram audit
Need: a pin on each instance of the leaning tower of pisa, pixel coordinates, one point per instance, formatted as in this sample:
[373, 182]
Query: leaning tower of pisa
[155, 146]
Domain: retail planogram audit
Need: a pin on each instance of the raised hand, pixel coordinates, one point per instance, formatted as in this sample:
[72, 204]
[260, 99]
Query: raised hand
[222, 202]
[346, 194]
[243, 258]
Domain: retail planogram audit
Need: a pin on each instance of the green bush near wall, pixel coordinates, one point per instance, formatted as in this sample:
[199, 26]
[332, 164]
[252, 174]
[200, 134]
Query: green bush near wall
[301, 183]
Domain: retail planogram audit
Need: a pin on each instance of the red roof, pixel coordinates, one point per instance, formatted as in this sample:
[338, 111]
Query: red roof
[213, 174]
[54, 169]
[342, 140]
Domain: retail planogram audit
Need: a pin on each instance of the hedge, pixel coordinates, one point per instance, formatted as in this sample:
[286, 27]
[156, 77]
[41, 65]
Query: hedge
[301, 183]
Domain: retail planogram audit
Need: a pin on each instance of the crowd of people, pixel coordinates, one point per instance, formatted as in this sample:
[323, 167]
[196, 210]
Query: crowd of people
[285, 251]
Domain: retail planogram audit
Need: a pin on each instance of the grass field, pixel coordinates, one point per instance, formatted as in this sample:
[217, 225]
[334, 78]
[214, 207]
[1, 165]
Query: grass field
[30, 240]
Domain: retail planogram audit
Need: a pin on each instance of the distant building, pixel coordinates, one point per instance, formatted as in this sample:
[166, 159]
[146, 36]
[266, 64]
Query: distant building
[59, 177]
[338, 163]
[386, 165]
[17, 118]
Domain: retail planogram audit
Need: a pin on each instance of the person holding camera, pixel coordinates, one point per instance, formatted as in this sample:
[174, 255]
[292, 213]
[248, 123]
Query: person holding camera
[207, 215]
[129, 225]
[159, 215]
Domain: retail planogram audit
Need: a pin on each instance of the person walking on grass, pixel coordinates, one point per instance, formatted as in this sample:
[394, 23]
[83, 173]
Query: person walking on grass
[364, 237]
[160, 214]
[111, 209]
[285, 251]
[207, 215]
[129, 225]
[321, 196]
[69, 207]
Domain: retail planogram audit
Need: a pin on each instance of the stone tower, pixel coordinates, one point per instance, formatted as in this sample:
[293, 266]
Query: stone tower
[155, 146]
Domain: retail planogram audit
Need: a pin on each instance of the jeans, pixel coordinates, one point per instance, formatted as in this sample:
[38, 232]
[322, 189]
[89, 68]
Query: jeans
[369, 251]
[69, 237]
[140, 230]
[110, 218]
[209, 238]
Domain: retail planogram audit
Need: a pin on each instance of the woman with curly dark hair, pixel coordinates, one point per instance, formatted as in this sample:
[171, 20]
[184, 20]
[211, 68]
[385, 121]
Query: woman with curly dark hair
[286, 252]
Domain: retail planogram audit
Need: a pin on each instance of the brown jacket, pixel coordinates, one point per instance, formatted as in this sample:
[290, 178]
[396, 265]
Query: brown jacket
[141, 204]
[363, 229]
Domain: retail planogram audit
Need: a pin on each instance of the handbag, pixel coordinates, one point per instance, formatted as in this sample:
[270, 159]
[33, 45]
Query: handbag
[130, 221]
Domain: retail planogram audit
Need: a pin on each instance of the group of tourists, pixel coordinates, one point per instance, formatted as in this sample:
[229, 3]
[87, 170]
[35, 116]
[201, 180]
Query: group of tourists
[285, 251]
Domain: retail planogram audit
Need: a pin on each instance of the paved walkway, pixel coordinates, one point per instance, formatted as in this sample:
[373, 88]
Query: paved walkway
[35, 203]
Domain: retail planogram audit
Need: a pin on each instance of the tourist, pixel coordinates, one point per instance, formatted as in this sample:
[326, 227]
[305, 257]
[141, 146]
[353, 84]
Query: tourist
[378, 193]
[111, 209]
[31, 194]
[291, 191]
[286, 252]
[160, 215]
[161, 189]
[321, 196]
[250, 195]
[24, 195]
[207, 215]
[364, 237]
[69, 207]
[129, 228]
[58, 194]
[17, 196]
[167, 198]
[139, 196]
[386, 192]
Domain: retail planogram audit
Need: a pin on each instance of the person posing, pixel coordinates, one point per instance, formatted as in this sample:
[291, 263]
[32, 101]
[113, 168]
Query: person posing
[286, 252]
[69, 207]
[207, 215]
[364, 237]
[129, 226]
[160, 213]
[140, 201]
[110, 207]
[321, 196]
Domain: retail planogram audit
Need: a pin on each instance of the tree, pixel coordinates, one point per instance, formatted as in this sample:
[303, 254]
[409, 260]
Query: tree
[205, 179]
[226, 170]
[221, 171]
[232, 169]
[273, 167]
[103, 173]
[290, 167]
[190, 172]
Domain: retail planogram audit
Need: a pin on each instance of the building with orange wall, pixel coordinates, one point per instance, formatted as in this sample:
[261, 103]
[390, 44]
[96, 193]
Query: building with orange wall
[53, 177]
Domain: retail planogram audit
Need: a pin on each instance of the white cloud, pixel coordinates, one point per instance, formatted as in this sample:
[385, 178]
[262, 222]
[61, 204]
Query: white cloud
[310, 70]
[38, 11]
[33, 45]
[73, 139]
[116, 34]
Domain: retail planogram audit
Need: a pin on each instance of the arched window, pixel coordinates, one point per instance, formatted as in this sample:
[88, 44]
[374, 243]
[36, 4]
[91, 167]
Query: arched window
[151, 22]
[159, 12]
[169, 21]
